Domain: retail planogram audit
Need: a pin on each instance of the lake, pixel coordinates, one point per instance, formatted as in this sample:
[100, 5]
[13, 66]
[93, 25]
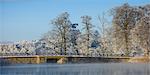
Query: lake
[77, 69]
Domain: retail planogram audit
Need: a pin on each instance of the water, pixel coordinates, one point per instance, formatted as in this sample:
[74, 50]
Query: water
[77, 69]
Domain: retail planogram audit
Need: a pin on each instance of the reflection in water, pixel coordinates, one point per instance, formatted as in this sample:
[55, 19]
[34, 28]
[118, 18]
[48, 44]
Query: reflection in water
[77, 69]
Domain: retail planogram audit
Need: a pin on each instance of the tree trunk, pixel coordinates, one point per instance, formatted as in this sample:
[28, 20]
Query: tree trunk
[88, 36]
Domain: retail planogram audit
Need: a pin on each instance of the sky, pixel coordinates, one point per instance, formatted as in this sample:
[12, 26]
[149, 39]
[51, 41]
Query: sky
[30, 19]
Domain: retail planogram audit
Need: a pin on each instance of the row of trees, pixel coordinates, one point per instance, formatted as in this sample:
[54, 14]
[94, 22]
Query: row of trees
[128, 32]
[18, 48]
[68, 39]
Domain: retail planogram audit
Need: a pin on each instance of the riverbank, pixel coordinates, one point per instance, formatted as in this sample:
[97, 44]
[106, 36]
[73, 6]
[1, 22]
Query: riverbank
[139, 60]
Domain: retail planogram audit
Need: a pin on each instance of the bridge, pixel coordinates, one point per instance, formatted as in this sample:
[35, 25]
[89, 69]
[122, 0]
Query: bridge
[37, 59]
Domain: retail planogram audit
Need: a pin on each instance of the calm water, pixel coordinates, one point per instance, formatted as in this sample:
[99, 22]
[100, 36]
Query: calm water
[77, 69]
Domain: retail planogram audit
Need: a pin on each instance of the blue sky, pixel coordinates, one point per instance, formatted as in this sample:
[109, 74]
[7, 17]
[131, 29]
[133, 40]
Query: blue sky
[30, 19]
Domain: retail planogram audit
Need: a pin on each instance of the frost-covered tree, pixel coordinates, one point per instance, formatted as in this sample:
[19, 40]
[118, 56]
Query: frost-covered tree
[95, 41]
[48, 44]
[87, 35]
[62, 27]
[74, 35]
[105, 30]
[125, 18]
[142, 31]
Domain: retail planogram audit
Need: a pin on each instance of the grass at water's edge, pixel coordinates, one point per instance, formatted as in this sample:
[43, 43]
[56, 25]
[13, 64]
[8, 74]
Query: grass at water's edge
[144, 59]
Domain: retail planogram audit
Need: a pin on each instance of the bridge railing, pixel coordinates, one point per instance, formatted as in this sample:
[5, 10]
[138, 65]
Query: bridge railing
[68, 55]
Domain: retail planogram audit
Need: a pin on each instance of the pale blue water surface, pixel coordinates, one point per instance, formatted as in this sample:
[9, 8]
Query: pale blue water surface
[76, 69]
